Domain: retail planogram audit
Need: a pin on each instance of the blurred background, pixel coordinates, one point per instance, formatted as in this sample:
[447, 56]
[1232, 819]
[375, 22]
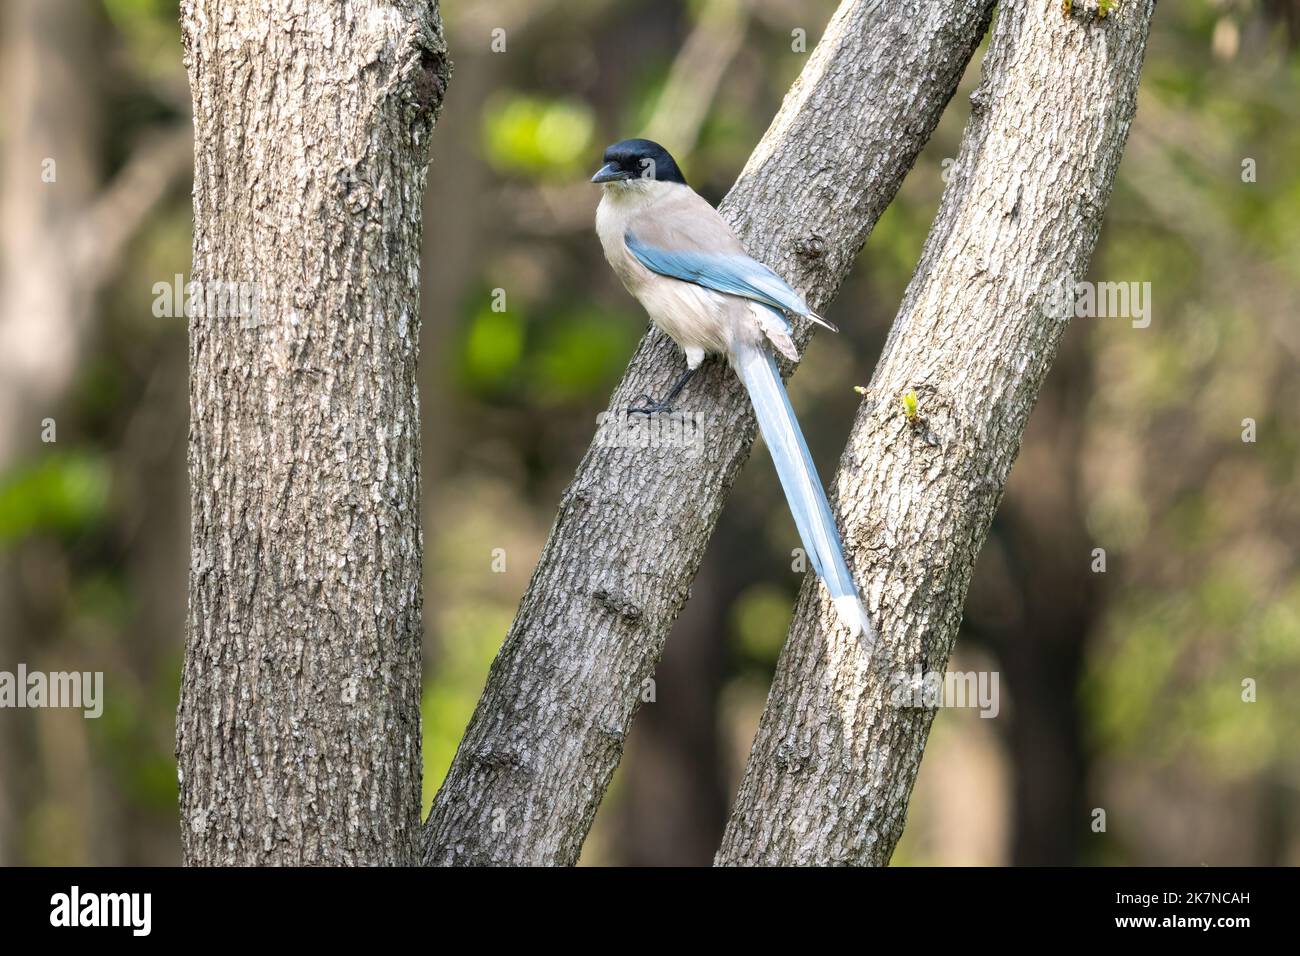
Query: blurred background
[1120, 690]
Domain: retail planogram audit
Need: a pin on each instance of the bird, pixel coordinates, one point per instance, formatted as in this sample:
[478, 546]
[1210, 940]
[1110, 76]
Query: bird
[678, 257]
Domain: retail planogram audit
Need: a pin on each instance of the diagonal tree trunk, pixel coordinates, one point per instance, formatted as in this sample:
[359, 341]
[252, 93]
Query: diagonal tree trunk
[836, 754]
[632, 527]
[299, 725]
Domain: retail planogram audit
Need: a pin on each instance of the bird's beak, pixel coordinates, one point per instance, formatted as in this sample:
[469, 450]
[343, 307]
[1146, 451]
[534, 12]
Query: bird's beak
[609, 173]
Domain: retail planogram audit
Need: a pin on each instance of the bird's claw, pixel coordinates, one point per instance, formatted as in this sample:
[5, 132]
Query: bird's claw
[649, 406]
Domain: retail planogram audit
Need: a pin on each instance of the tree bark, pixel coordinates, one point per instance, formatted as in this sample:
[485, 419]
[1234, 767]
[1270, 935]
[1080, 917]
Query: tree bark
[836, 753]
[632, 527]
[298, 732]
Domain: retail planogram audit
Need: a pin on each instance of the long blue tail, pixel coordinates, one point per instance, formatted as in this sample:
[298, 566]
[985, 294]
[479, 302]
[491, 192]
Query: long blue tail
[803, 489]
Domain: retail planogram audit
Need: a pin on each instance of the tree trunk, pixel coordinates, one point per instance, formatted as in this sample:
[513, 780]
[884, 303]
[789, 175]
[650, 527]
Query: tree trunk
[298, 732]
[836, 752]
[632, 527]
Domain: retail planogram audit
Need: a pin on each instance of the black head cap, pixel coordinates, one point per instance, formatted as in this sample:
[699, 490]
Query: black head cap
[638, 159]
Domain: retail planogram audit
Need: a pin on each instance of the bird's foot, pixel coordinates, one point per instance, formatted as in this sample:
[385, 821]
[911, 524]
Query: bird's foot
[645, 405]
[650, 406]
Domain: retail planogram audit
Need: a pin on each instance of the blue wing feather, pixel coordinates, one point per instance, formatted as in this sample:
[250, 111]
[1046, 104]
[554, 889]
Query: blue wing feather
[723, 272]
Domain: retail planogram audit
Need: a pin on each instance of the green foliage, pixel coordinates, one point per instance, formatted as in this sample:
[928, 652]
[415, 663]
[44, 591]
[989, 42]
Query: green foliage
[543, 138]
[582, 355]
[470, 605]
[63, 492]
[475, 630]
[494, 345]
[910, 405]
[1168, 687]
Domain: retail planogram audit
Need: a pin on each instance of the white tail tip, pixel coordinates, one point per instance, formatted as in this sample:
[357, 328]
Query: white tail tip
[854, 616]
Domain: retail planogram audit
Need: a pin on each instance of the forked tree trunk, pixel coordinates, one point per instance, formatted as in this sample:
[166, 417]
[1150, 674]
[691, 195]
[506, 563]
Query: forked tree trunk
[836, 752]
[299, 726]
[632, 527]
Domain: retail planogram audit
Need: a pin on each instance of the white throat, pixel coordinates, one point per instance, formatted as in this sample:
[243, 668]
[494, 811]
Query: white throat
[630, 195]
